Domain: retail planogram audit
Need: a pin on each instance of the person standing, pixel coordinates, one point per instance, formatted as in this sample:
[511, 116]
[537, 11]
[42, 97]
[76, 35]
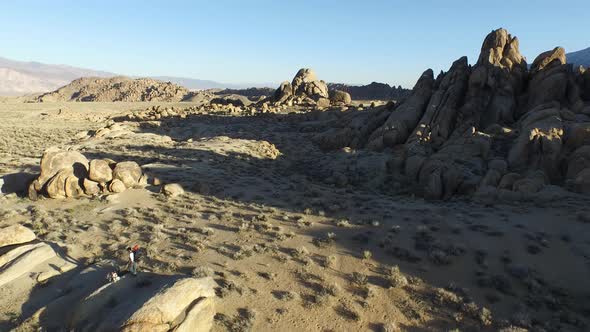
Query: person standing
[132, 261]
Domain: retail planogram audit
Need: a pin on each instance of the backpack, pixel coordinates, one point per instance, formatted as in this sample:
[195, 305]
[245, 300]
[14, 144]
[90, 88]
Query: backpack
[137, 253]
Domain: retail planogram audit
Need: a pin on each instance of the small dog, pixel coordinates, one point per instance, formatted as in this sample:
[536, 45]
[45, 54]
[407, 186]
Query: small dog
[113, 277]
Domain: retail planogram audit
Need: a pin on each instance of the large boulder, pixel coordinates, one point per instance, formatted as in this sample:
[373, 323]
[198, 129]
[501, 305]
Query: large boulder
[153, 303]
[65, 184]
[338, 97]
[549, 58]
[15, 234]
[283, 92]
[129, 172]
[91, 188]
[100, 171]
[172, 189]
[551, 80]
[117, 186]
[55, 160]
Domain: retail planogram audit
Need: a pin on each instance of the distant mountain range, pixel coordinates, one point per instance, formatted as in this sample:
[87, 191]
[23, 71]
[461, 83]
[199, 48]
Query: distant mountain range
[21, 78]
[579, 58]
[18, 77]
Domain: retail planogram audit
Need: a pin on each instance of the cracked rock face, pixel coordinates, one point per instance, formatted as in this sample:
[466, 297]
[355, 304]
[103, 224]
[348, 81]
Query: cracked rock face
[444, 137]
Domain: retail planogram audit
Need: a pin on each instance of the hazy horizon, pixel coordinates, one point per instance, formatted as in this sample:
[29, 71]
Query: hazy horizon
[264, 42]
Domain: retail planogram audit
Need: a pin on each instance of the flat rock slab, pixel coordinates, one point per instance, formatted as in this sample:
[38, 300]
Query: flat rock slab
[22, 260]
[15, 234]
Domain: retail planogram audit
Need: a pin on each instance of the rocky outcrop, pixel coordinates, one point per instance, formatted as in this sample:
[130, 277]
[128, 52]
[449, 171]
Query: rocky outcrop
[165, 304]
[93, 89]
[496, 125]
[148, 302]
[338, 97]
[306, 83]
[68, 174]
[306, 89]
[27, 262]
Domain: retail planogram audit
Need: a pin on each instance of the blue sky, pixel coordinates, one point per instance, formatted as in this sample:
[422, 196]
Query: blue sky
[261, 41]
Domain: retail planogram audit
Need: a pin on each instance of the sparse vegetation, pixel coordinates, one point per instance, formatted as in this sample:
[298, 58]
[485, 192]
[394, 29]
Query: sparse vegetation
[359, 278]
[396, 278]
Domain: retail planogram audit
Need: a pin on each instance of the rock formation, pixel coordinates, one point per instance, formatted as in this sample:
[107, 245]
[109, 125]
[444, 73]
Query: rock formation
[493, 127]
[116, 89]
[306, 89]
[68, 174]
[81, 299]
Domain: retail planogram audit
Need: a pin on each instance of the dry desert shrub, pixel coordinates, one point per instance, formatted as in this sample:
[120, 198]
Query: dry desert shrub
[325, 241]
[202, 272]
[348, 312]
[300, 252]
[343, 223]
[284, 295]
[396, 278]
[243, 322]
[208, 231]
[389, 327]
[227, 286]
[358, 278]
[329, 261]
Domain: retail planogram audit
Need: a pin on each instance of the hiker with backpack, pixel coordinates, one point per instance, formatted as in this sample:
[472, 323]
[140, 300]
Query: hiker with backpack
[133, 259]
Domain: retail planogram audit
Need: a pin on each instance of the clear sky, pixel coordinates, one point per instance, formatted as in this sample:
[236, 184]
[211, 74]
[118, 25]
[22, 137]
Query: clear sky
[260, 41]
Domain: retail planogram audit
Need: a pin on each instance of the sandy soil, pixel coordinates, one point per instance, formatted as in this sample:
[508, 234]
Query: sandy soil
[288, 251]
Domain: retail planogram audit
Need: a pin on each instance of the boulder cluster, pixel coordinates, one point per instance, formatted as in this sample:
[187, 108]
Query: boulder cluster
[497, 128]
[66, 173]
[306, 89]
[82, 299]
[156, 113]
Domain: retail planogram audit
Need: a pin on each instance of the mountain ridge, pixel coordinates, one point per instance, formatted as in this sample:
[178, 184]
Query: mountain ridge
[579, 58]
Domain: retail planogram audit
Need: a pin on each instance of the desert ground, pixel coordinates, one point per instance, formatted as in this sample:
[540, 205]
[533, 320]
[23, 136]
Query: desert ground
[288, 249]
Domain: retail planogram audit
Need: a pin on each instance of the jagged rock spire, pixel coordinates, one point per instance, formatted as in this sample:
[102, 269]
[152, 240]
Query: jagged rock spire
[501, 49]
